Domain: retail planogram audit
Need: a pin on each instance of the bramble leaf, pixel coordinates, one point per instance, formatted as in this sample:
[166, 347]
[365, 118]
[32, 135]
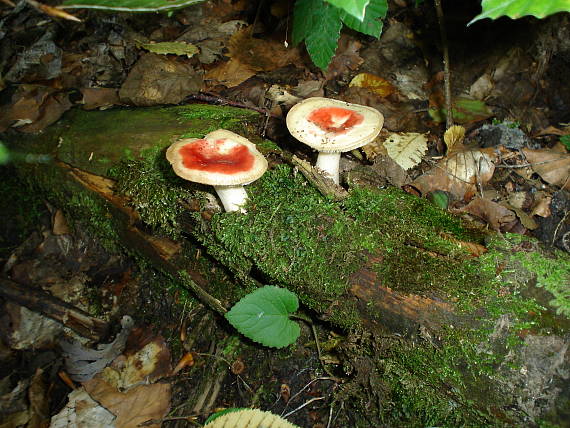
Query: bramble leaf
[372, 23]
[263, 316]
[516, 8]
[355, 8]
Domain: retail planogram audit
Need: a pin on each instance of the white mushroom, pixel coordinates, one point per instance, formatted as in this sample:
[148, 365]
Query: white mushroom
[331, 127]
[222, 159]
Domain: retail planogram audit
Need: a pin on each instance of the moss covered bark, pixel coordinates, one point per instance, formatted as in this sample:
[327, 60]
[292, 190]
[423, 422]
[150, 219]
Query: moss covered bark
[450, 332]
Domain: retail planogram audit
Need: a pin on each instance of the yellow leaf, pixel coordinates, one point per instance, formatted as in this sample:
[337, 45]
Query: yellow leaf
[407, 148]
[373, 83]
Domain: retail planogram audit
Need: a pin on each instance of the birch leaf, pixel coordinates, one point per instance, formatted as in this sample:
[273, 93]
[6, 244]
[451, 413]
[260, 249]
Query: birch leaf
[406, 148]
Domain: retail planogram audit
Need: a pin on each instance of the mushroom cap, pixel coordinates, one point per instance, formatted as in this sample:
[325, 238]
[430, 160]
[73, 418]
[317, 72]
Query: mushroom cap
[329, 125]
[221, 158]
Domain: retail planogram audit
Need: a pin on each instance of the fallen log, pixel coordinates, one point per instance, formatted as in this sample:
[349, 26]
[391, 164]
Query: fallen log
[467, 303]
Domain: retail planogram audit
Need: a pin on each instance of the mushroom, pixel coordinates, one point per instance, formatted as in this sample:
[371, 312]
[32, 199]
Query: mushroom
[331, 127]
[222, 159]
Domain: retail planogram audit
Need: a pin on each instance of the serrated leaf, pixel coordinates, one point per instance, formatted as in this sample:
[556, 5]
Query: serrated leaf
[263, 316]
[304, 16]
[516, 8]
[406, 149]
[171, 48]
[372, 23]
[322, 41]
[128, 5]
[355, 8]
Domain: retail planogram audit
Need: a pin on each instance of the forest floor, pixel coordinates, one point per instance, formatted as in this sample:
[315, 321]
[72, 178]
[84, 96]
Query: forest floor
[506, 168]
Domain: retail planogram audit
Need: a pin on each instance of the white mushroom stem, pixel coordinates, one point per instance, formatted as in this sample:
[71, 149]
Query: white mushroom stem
[328, 162]
[233, 197]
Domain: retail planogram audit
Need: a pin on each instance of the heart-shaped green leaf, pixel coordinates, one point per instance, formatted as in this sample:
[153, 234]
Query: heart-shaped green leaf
[263, 316]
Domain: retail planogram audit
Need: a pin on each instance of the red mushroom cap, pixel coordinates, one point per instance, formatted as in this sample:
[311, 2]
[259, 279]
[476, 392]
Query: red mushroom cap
[221, 158]
[331, 125]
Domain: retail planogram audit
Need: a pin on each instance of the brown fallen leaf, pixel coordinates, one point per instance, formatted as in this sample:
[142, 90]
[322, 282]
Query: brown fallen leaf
[260, 54]
[553, 165]
[99, 98]
[497, 216]
[134, 406]
[376, 84]
[33, 107]
[460, 173]
[157, 79]
[542, 205]
[346, 58]
[230, 73]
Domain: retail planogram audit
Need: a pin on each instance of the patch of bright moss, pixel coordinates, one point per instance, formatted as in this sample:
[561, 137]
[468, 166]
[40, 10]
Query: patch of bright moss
[551, 274]
[147, 183]
[301, 240]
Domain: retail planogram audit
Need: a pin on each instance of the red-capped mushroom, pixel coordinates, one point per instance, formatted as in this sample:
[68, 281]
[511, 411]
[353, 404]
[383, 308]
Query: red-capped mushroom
[331, 127]
[222, 159]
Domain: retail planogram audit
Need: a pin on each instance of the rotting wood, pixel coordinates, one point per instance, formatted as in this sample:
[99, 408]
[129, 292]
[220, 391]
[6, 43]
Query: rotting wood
[44, 303]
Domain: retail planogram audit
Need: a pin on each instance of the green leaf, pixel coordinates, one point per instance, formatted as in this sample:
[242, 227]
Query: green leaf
[372, 22]
[263, 316]
[304, 16]
[565, 140]
[517, 8]
[174, 48]
[4, 154]
[355, 8]
[129, 5]
[323, 40]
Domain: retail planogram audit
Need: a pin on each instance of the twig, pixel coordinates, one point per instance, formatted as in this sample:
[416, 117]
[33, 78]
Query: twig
[446, 72]
[303, 405]
[323, 184]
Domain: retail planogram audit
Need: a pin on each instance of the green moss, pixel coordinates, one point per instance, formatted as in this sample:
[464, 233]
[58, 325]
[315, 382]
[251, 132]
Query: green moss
[152, 190]
[553, 275]
[294, 237]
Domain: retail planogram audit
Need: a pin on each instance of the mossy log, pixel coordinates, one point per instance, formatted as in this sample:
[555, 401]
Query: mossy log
[380, 260]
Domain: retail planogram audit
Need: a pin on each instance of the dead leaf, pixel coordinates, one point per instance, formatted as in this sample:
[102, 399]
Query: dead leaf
[81, 410]
[542, 205]
[39, 403]
[157, 79]
[460, 173]
[230, 73]
[346, 58]
[260, 54]
[526, 220]
[99, 98]
[454, 136]
[406, 148]
[33, 107]
[373, 83]
[133, 407]
[497, 216]
[482, 87]
[60, 226]
[386, 167]
[171, 48]
[553, 165]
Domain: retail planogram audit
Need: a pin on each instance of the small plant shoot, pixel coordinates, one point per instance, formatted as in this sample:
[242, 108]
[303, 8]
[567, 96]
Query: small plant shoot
[263, 316]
